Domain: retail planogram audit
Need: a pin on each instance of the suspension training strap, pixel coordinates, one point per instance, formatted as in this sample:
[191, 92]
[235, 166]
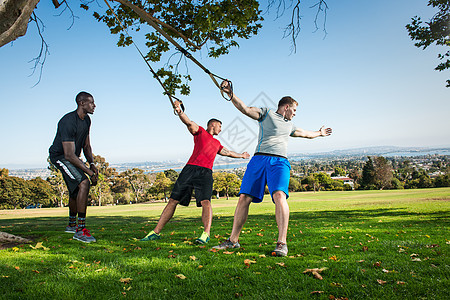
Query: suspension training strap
[169, 95]
[213, 76]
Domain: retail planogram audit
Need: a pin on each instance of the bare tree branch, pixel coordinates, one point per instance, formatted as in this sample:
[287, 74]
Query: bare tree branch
[67, 7]
[321, 7]
[42, 56]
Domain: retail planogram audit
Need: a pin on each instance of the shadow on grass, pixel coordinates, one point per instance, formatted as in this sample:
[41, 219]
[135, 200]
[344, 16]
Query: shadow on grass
[94, 270]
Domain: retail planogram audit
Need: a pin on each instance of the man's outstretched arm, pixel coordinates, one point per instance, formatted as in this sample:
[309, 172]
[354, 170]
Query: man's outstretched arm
[252, 112]
[229, 153]
[191, 125]
[312, 134]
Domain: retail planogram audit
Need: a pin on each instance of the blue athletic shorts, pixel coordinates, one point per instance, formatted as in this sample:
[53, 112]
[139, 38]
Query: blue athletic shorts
[263, 169]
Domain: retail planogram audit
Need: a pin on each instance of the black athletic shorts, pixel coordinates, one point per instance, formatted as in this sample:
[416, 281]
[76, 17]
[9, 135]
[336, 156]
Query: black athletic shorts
[193, 178]
[72, 175]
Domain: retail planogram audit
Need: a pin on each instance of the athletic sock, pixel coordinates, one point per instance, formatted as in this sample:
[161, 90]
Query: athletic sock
[72, 219]
[81, 221]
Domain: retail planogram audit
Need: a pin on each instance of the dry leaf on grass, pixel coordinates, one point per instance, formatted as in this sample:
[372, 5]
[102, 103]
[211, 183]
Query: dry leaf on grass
[316, 272]
[247, 262]
[181, 276]
[125, 280]
[381, 281]
[39, 245]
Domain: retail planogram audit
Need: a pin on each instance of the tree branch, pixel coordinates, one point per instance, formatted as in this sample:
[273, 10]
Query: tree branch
[146, 16]
[40, 59]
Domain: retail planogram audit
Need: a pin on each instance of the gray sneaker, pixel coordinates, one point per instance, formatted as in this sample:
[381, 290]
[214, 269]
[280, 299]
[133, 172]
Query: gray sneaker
[280, 250]
[84, 236]
[71, 229]
[227, 244]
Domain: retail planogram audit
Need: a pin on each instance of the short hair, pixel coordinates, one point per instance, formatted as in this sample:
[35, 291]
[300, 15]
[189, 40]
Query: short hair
[83, 96]
[287, 100]
[212, 121]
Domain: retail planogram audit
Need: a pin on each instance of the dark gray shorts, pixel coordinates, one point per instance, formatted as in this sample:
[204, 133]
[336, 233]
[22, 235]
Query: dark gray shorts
[72, 175]
[193, 178]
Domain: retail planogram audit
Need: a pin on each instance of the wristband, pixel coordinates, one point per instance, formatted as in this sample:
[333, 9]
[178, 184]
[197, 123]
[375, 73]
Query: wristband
[92, 164]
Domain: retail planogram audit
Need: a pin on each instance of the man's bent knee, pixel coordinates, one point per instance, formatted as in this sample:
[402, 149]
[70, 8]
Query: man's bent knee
[85, 184]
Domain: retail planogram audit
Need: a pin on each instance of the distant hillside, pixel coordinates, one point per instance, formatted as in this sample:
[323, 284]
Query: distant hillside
[223, 163]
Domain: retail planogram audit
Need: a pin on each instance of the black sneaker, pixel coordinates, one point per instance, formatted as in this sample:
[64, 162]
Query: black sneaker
[227, 244]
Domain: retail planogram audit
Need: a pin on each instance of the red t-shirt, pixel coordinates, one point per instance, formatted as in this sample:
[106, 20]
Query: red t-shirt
[205, 149]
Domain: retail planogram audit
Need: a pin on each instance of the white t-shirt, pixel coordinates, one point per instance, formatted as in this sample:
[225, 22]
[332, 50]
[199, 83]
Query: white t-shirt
[274, 132]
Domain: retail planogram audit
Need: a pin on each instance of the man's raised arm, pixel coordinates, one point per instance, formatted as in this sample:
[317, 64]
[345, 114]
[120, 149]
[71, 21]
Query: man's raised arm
[191, 125]
[229, 153]
[252, 112]
[312, 134]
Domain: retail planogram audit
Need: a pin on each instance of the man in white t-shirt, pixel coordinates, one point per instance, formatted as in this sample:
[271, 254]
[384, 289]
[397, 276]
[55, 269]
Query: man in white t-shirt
[269, 165]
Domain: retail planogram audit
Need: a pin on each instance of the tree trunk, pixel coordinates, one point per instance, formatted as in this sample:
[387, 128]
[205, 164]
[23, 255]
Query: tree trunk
[15, 15]
[10, 238]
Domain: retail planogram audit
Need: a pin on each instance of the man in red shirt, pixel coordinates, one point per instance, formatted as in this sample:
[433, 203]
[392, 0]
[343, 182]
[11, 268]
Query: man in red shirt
[196, 175]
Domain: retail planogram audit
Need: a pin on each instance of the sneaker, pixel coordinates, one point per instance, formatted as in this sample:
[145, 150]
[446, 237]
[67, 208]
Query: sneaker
[84, 236]
[71, 229]
[203, 239]
[227, 244]
[151, 236]
[280, 250]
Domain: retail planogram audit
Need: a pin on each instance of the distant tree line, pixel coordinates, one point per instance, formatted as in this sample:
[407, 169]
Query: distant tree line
[130, 186]
[136, 186]
[376, 172]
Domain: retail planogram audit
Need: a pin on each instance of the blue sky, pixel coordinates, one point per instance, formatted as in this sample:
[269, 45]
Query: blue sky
[365, 79]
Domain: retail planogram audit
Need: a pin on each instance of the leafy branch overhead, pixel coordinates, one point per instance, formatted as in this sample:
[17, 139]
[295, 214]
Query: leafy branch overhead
[215, 25]
[435, 31]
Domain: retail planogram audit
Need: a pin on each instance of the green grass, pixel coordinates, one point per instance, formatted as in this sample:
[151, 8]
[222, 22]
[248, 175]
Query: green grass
[374, 244]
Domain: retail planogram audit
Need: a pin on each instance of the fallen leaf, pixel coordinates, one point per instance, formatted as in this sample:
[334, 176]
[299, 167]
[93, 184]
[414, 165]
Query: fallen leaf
[381, 281]
[15, 249]
[247, 262]
[360, 261]
[125, 280]
[35, 271]
[323, 248]
[262, 255]
[281, 264]
[316, 292]
[365, 248]
[414, 255]
[333, 258]
[17, 268]
[181, 276]
[260, 234]
[336, 284]
[401, 282]
[39, 245]
[377, 264]
[416, 259]
[192, 257]
[315, 272]
[227, 252]
[98, 270]
[200, 266]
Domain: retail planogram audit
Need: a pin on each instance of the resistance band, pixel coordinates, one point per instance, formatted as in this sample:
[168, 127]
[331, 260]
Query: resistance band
[171, 97]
